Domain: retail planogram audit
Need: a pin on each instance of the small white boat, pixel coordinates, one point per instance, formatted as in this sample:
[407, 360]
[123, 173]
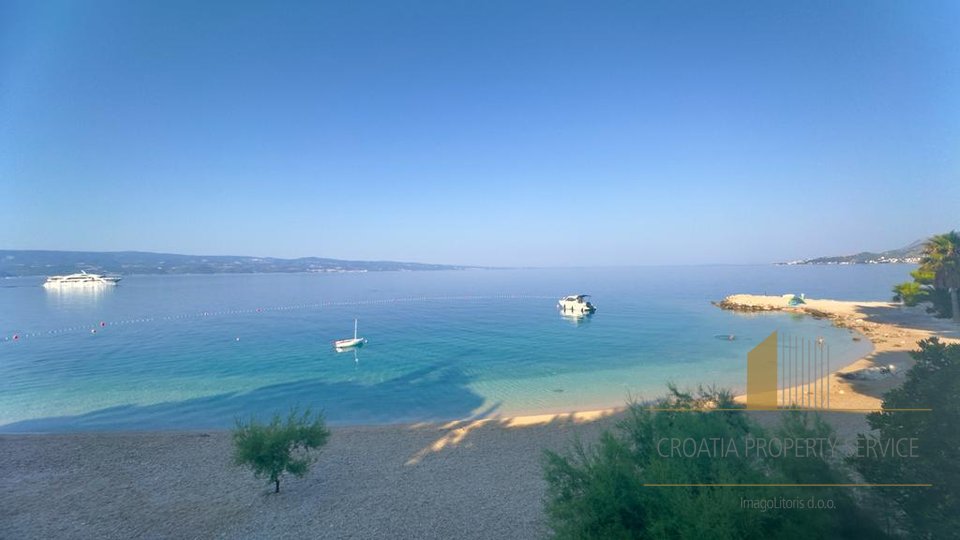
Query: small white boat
[576, 304]
[350, 343]
[82, 278]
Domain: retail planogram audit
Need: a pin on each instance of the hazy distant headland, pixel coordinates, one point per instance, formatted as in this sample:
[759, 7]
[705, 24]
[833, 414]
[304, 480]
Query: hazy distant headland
[908, 254]
[37, 262]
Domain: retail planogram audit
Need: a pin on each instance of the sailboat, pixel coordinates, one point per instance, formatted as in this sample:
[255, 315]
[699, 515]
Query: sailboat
[343, 344]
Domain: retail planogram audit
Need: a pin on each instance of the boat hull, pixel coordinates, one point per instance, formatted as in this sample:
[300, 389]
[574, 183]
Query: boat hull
[82, 279]
[91, 283]
[576, 308]
[349, 343]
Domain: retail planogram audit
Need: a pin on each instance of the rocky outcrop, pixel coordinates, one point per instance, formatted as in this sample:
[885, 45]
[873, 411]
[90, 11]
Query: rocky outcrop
[731, 305]
[854, 322]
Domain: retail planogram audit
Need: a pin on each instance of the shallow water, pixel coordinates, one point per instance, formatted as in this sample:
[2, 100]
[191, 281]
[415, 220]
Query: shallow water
[191, 352]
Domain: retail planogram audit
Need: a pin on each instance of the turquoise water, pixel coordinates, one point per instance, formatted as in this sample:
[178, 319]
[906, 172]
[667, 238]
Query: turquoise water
[192, 352]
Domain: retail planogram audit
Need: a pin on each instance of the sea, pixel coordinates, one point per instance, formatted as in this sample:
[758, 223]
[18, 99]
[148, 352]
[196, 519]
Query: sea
[195, 352]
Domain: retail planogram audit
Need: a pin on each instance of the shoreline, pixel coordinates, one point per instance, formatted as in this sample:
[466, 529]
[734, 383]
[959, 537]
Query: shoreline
[891, 328]
[477, 477]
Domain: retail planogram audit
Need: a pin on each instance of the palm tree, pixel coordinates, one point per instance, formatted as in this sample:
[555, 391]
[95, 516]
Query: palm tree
[941, 257]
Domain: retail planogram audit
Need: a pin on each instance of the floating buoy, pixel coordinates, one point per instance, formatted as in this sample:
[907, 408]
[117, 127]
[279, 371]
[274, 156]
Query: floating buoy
[238, 339]
[102, 324]
[16, 337]
[93, 330]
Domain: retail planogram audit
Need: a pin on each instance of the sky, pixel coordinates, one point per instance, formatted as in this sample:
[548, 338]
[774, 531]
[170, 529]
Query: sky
[496, 133]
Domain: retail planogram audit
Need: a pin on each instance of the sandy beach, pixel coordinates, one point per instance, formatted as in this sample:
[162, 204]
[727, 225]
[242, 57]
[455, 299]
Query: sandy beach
[893, 330]
[469, 479]
[472, 479]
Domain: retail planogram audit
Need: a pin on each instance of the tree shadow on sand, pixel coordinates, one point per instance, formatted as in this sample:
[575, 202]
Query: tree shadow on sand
[433, 393]
[910, 320]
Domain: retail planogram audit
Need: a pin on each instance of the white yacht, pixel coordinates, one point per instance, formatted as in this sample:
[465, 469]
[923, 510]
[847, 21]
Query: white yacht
[82, 278]
[576, 304]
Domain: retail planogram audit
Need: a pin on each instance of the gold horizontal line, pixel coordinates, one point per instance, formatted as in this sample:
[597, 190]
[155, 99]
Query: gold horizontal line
[788, 485]
[782, 409]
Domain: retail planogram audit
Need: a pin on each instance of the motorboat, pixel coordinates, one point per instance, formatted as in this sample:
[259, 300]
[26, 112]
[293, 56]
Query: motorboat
[82, 278]
[350, 343]
[576, 304]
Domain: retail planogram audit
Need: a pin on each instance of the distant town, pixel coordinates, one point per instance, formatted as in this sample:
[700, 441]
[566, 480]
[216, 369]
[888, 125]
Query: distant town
[910, 254]
[866, 260]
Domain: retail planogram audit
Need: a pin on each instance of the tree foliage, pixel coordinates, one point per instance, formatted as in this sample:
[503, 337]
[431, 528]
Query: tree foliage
[941, 257]
[600, 491]
[910, 293]
[922, 276]
[939, 274]
[281, 446]
[932, 383]
[937, 280]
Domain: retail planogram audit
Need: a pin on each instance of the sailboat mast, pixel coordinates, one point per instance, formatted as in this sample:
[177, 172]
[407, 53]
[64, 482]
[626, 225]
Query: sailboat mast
[354, 329]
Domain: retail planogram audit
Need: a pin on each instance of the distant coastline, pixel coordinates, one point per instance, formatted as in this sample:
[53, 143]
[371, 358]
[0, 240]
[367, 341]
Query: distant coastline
[23, 263]
[909, 254]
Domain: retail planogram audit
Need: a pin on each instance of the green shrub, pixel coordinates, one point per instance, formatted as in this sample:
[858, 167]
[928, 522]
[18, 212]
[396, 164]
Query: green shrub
[279, 447]
[932, 383]
[910, 293]
[600, 491]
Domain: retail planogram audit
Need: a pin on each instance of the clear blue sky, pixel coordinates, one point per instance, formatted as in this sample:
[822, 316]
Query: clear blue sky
[492, 133]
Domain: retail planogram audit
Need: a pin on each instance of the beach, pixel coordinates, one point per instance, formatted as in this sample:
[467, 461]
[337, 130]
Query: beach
[893, 330]
[479, 478]
[460, 480]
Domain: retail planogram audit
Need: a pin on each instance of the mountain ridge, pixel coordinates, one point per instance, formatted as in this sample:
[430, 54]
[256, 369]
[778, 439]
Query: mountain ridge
[14, 263]
[909, 254]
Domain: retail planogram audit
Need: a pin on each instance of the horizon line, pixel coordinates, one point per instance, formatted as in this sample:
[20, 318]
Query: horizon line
[381, 260]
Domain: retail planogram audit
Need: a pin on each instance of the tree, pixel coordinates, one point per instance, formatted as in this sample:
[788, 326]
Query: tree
[910, 293]
[932, 383]
[941, 259]
[279, 447]
[603, 491]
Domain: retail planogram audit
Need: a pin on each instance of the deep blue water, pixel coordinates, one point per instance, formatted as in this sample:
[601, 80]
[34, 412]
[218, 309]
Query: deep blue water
[192, 352]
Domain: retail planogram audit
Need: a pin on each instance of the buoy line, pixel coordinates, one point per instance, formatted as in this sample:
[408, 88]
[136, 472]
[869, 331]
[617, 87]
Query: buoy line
[102, 325]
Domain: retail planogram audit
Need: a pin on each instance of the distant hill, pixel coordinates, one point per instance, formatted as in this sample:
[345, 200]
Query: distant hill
[32, 263]
[906, 254]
